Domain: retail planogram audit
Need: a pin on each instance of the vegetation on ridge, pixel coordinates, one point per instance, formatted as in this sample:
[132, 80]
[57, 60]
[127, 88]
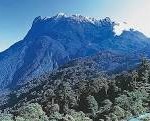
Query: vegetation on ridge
[80, 93]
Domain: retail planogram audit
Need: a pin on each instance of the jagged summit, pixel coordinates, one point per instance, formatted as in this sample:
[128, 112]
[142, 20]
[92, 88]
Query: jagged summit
[75, 17]
[61, 15]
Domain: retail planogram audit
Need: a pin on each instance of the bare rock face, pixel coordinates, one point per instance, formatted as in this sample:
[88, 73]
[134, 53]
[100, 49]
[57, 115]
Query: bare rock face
[52, 42]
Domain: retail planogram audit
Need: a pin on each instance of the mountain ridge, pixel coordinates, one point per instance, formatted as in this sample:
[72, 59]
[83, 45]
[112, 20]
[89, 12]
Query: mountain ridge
[52, 42]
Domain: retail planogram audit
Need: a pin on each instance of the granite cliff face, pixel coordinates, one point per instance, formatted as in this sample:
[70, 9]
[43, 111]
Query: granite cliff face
[52, 42]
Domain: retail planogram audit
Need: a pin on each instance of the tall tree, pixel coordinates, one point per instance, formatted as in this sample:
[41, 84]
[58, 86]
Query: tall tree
[66, 96]
[92, 105]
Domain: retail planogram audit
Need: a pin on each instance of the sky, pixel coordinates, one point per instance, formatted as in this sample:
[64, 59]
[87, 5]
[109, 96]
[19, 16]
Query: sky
[16, 16]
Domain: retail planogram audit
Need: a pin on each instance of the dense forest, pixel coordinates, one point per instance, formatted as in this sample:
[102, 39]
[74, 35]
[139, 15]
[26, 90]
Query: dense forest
[78, 91]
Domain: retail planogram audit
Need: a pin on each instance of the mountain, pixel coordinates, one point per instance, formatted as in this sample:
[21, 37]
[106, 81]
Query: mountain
[52, 42]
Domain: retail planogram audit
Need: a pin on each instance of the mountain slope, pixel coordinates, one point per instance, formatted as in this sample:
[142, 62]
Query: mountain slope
[52, 42]
[80, 86]
[77, 71]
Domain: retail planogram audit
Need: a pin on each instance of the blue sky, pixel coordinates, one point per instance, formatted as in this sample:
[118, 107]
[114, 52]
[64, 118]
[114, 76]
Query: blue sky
[16, 16]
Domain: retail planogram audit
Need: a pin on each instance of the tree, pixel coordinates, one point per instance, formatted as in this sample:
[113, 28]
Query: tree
[144, 71]
[66, 96]
[55, 108]
[49, 95]
[52, 108]
[105, 106]
[133, 101]
[76, 116]
[118, 112]
[92, 105]
[55, 117]
[6, 117]
[134, 78]
[31, 112]
[145, 76]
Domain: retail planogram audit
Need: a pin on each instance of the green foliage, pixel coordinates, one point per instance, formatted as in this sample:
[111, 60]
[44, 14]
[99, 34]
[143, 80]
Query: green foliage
[138, 108]
[76, 116]
[66, 96]
[31, 112]
[128, 100]
[119, 112]
[113, 117]
[52, 108]
[132, 102]
[67, 93]
[123, 101]
[92, 105]
[144, 70]
[146, 119]
[72, 116]
[106, 106]
[56, 116]
[6, 117]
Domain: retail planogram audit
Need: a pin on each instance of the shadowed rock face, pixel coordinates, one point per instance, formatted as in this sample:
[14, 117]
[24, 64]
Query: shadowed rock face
[54, 41]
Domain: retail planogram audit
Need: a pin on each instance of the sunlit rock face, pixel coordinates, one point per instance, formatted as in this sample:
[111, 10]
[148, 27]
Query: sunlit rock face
[52, 42]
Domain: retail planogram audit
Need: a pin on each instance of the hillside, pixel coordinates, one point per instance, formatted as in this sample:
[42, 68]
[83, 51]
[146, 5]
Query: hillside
[80, 91]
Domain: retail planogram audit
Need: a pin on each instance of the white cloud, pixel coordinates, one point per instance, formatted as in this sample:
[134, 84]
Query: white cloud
[118, 29]
[137, 16]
